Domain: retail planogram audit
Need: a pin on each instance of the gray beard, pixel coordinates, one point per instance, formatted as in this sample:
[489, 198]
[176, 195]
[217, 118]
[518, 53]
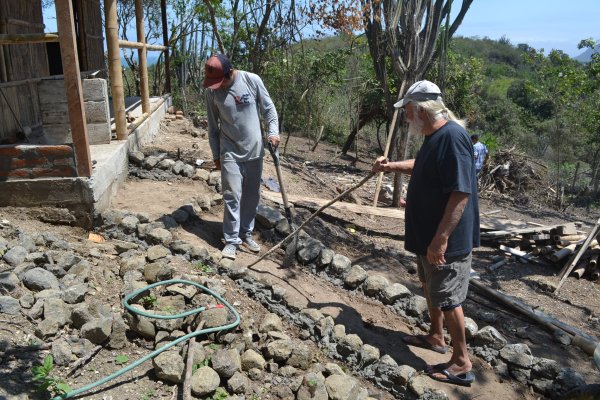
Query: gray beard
[415, 128]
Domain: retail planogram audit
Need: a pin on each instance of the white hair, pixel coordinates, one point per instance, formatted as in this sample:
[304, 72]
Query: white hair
[436, 109]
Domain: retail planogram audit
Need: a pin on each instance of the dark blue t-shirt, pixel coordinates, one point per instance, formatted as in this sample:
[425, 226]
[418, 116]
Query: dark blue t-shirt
[443, 165]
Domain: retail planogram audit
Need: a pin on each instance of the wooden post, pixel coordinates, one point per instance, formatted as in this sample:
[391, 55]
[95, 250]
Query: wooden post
[163, 12]
[142, 56]
[68, 50]
[114, 66]
[385, 154]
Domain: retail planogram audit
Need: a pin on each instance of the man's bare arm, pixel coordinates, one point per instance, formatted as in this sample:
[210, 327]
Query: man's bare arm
[452, 215]
[383, 165]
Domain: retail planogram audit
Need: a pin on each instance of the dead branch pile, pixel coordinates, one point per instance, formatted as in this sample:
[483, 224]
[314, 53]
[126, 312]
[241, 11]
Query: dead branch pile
[512, 173]
[563, 248]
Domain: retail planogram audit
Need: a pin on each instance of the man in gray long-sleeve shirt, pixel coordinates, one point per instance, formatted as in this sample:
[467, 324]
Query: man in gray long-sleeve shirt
[234, 101]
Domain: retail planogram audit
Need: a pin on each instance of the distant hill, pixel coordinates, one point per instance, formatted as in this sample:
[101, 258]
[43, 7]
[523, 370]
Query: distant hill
[586, 56]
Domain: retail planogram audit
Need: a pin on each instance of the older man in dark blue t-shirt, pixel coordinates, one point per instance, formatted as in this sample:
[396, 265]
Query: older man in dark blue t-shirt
[442, 222]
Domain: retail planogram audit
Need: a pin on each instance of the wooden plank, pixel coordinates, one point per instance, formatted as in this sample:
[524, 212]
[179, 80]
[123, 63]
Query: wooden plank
[576, 256]
[339, 206]
[27, 38]
[68, 50]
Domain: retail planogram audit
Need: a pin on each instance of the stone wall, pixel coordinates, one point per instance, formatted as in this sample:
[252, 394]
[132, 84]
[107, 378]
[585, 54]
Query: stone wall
[33, 162]
[55, 113]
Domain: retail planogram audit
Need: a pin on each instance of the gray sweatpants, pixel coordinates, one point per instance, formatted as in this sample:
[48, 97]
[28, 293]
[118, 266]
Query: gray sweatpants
[241, 194]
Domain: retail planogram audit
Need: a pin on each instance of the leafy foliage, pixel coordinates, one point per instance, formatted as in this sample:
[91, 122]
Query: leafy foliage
[42, 375]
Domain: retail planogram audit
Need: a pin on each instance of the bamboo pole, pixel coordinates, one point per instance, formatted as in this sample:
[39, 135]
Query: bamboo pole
[68, 50]
[126, 44]
[142, 56]
[165, 31]
[28, 38]
[558, 329]
[114, 65]
[385, 154]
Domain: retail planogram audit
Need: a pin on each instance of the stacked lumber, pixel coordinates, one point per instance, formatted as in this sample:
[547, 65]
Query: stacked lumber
[562, 247]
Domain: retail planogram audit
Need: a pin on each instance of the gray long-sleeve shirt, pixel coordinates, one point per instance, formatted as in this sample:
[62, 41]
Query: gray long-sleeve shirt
[234, 130]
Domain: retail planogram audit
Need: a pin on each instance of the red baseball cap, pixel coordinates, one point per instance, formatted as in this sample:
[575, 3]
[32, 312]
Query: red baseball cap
[216, 69]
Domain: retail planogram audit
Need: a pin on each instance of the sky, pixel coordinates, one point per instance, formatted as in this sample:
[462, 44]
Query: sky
[547, 24]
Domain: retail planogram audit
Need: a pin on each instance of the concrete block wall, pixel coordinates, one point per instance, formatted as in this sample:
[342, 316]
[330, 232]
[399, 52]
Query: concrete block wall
[35, 162]
[55, 113]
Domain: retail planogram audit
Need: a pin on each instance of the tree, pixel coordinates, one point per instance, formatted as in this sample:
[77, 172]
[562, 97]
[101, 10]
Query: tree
[402, 37]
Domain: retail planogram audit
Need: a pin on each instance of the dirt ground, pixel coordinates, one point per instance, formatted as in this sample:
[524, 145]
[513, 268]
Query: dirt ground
[376, 243]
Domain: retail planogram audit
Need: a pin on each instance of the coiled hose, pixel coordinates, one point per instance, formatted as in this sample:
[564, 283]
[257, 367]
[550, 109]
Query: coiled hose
[126, 304]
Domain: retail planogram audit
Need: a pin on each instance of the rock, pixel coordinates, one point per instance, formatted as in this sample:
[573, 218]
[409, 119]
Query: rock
[214, 317]
[159, 236]
[402, 374]
[333, 369]
[61, 352]
[97, 330]
[368, 355]
[417, 306]
[301, 356]
[251, 359]
[156, 272]
[271, 322]
[311, 248]
[201, 174]
[340, 264]
[205, 381]
[141, 324]
[238, 383]
[56, 310]
[567, 379]
[393, 292]
[150, 162]
[157, 252]
[374, 284]
[169, 366]
[9, 305]
[517, 354]
[9, 282]
[324, 327]
[280, 350]
[489, 336]
[166, 164]
[312, 388]
[129, 224]
[178, 167]
[27, 300]
[215, 178]
[118, 335]
[471, 328]
[355, 276]
[188, 171]
[134, 263]
[46, 329]
[82, 270]
[339, 332]
[136, 158]
[342, 387]
[349, 344]
[180, 215]
[545, 368]
[38, 279]
[325, 257]
[75, 294]
[15, 256]
[226, 362]
[419, 384]
[187, 291]
[268, 216]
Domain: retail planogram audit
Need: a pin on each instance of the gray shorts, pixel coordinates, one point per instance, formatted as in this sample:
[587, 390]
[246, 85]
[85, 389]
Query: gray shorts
[447, 284]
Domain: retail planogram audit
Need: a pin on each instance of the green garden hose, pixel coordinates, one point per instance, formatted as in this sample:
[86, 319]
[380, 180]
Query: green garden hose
[126, 300]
